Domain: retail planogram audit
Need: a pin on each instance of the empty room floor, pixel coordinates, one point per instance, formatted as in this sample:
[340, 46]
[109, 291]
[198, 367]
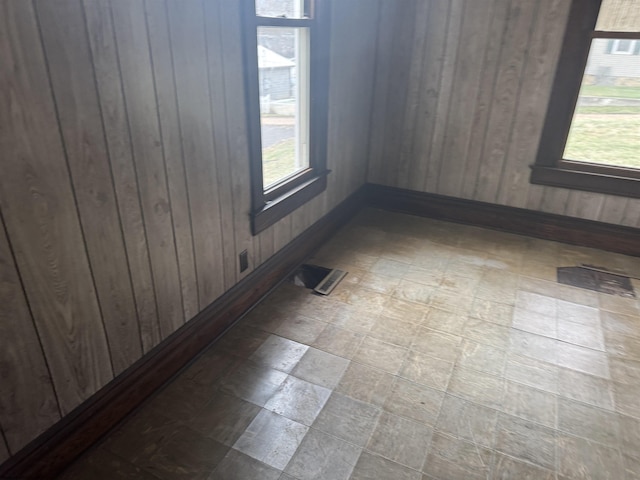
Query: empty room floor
[448, 352]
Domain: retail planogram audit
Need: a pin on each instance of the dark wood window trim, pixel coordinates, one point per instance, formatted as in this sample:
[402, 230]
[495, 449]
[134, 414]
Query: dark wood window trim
[269, 206]
[550, 168]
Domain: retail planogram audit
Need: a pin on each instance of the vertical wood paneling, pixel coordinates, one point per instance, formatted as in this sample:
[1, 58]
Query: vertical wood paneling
[190, 69]
[74, 90]
[585, 205]
[219, 121]
[27, 402]
[236, 126]
[400, 68]
[444, 93]
[142, 112]
[432, 75]
[554, 200]
[505, 101]
[125, 186]
[466, 84]
[382, 91]
[488, 73]
[405, 152]
[631, 215]
[41, 218]
[114, 117]
[613, 209]
[484, 88]
[544, 50]
[170, 129]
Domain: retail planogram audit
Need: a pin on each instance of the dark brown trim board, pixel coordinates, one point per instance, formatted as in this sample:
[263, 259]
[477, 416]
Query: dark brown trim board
[547, 226]
[55, 449]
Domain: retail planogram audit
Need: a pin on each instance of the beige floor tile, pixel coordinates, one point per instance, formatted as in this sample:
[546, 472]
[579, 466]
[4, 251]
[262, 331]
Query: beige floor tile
[526, 441]
[477, 387]
[348, 419]
[482, 357]
[414, 401]
[586, 388]
[508, 468]
[455, 459]
[583, 459]
[530, 404]
[437, 344]
[321, 368]
[366, 384]
[467, 421]
[400, 440]
[338, 341]
[445, 321]
[426, 370]
[271, 439]
[532, 372]
[382, 355]
[375, 467]
[588, 422]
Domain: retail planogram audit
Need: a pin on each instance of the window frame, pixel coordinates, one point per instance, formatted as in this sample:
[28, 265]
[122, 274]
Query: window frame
[270, 205]
[550, 168]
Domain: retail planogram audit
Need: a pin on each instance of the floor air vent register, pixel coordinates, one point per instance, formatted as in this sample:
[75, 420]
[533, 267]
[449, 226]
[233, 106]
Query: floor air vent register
[321, 280]
[598, 279]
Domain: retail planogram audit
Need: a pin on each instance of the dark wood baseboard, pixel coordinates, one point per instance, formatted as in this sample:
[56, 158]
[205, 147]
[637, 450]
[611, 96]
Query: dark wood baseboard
[50, 453]
[547, 226]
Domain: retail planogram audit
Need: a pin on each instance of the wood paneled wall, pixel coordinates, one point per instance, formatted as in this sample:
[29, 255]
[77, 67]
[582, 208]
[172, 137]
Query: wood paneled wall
[124, 192]
[461, 93]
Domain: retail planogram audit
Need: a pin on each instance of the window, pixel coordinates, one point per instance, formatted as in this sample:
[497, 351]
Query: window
[286, 51]
[622, 46]
[591, 136]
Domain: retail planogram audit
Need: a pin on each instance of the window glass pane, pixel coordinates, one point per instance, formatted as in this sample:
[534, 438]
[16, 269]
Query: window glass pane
[619, 16]
[283, 65]
[606, 124]
[280, 8]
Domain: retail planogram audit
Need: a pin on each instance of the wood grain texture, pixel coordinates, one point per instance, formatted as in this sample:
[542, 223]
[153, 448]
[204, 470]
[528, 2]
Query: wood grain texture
[116, 126]
[485, 84]
[74, 90]
[544, 50]
[72, 436]
[40, 213]
[473, 163]
[28, 404]
[192, 83]
[454, 26]
[506, 95]
[148, 154]
[126, 186]
[162, 62]
[236, 127]
[466, 85]
[382, 91]
[431, 83]
[218, 106]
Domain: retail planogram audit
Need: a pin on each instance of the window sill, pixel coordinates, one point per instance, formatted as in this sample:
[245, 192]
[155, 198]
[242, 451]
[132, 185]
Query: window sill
[283, 205]
[610, 180]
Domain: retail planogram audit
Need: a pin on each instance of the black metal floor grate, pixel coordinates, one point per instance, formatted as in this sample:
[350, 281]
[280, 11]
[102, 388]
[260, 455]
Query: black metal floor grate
[596, 279]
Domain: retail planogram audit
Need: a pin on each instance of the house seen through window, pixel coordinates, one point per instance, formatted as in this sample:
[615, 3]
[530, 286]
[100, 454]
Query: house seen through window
[606, 123]
[591, 136]
[287, 63]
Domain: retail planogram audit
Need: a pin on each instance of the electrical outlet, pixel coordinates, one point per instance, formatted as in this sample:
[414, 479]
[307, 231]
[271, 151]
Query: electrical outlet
[244, 260]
